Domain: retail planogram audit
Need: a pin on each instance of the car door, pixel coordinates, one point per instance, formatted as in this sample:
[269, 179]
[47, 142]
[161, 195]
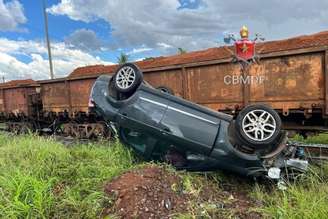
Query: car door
[144, 111]
[140, 121]
[190, 127]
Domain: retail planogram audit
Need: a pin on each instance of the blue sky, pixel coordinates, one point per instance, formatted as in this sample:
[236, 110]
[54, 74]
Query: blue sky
[59, 28]
[62, 26]
[85, 32]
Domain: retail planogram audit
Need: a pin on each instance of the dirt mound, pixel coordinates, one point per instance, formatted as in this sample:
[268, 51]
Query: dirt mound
[147, 193]
[154, 192]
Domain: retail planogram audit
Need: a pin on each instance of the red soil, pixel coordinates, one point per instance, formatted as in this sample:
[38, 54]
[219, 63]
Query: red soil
[154, 192]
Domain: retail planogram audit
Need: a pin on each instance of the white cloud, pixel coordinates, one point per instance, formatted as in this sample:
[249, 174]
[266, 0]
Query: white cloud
[146, 22]
[65, 59]
[164, 45]
[139, 50]
[154, 23]
[84, 39]
[12, 15]
[66, 7]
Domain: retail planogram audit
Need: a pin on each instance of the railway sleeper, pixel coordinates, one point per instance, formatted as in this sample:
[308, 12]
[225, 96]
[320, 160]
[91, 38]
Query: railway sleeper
[86, 130]
[19, 127]
[313, 152]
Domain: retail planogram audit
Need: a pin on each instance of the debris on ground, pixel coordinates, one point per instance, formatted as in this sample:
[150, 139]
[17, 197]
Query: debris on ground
[155, 192]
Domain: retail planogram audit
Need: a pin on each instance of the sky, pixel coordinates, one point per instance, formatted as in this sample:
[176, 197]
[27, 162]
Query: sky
[88, 32]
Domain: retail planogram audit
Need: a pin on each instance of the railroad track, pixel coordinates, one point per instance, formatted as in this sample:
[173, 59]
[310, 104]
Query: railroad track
[312, 151]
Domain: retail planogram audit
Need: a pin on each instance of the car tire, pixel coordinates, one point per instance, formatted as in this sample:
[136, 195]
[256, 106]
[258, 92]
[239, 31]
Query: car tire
[165, 90]
[127, 78]
[258, 126]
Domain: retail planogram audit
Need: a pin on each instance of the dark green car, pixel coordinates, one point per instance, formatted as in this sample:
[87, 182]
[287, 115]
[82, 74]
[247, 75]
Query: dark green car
[160, 126]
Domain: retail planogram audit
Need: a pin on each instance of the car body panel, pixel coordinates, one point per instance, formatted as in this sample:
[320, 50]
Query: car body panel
[190, 124]
[153, 122]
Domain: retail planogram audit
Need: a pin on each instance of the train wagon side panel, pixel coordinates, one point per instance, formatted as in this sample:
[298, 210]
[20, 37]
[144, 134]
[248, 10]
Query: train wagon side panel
[286, 83]
[169, 78]
[15, 100]
[79, 94]
[55, 97]
[214, 86]
[289, 83]
[2, 101]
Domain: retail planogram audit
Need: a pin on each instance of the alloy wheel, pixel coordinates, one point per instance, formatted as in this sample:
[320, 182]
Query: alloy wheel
[259, 125]
[125, 77]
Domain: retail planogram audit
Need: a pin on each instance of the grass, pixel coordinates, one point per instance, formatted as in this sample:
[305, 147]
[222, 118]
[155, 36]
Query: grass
[307, 197]
[42, 178]
[318, 139]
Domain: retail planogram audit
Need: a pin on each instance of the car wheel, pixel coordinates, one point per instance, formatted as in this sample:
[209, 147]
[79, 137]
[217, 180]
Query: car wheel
[127, 78]
[258, 126]
[165, 90]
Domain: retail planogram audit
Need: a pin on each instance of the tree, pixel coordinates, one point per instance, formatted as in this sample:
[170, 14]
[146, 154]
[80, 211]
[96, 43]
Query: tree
[148, 58]
[123, 58]
[182, 51]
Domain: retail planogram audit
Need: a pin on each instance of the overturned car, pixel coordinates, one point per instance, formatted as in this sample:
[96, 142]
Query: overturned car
[160, 126]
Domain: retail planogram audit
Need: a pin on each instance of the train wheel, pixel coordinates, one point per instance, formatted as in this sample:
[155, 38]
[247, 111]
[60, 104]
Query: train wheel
[25, 128]
[67, 129]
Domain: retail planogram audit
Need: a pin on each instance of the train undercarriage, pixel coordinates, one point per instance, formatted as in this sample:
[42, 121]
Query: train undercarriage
[85, 125]
[81, 126]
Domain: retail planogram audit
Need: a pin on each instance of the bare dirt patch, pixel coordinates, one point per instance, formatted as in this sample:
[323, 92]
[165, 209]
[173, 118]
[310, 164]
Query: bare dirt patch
[154, 192]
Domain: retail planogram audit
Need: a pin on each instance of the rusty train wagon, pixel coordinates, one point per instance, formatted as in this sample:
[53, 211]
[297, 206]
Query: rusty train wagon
[293, 80]
[19, 103]
[291, 76]
[65, 107]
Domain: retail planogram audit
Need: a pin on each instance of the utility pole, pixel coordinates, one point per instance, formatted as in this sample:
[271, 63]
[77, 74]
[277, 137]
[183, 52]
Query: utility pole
[47, 38]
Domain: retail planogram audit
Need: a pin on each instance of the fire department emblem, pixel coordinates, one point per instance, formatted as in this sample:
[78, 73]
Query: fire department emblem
[245, 50]
[244, 47]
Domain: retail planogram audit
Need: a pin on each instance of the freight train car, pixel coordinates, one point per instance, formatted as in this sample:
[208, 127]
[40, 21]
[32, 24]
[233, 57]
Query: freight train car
[65, 106]
[291, 77]
[20, 105]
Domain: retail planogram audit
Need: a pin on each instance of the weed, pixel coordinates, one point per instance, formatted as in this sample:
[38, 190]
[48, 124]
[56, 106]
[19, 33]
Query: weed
[304, 198]
[41, 178]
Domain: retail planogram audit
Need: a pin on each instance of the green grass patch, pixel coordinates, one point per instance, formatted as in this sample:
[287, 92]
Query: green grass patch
[41, 178]
[317, 139]
[307, 197]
